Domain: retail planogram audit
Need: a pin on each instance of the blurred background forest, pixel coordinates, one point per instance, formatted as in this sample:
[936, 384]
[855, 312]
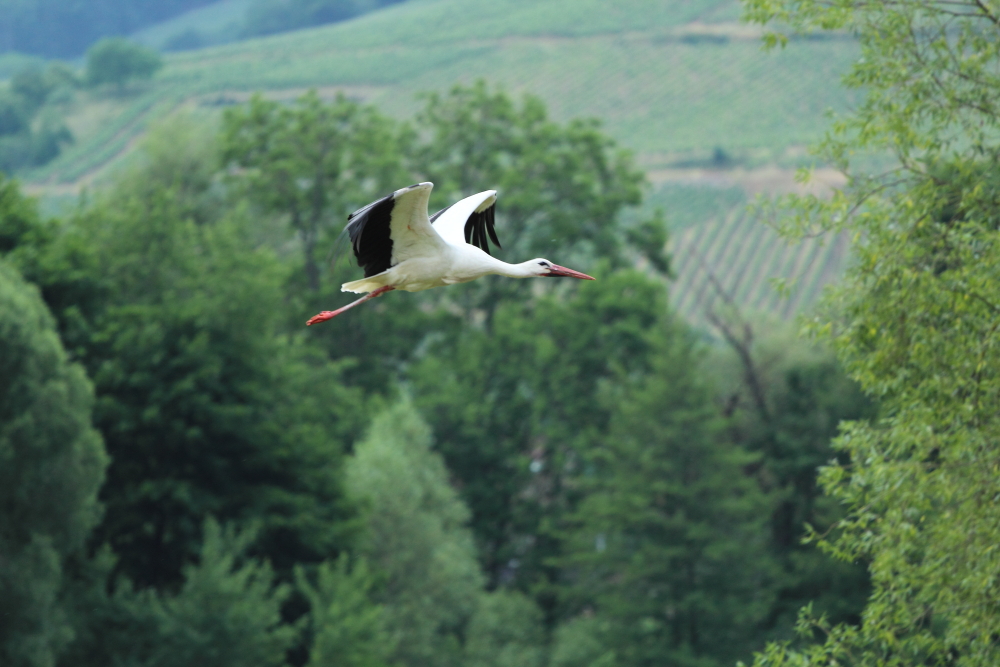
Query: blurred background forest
[618, 473]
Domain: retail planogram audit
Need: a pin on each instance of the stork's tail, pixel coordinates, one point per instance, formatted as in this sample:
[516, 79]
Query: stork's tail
[369, 284]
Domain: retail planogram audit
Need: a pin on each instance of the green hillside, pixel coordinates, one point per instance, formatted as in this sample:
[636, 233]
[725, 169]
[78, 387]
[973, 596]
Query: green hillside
[676, 81]
[667, 78]
[216, 23]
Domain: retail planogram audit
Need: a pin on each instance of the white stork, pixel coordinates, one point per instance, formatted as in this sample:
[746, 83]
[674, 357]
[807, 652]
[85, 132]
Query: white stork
[399, 247]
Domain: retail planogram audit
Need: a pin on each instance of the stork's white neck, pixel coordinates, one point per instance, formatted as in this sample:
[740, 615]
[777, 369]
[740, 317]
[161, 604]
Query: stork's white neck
[527, 269]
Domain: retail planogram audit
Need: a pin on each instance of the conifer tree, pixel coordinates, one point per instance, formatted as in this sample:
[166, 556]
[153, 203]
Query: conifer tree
[227, 613]
[415, 536]
[668, 546]
[347, 627]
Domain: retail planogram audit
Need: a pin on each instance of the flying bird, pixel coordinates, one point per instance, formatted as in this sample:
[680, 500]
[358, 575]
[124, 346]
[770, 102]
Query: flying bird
[401, 248]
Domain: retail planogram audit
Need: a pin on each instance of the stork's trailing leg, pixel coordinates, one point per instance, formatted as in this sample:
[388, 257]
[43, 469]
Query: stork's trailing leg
[330, 314]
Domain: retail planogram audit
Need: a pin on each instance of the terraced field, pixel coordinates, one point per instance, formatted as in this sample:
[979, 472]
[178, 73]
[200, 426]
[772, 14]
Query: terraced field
[738, 256]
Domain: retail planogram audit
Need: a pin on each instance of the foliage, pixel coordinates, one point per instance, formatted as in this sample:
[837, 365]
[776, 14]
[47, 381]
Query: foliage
[786, 399]
[35, 85]
[348, 628]
[207, 409]
[610, 503]
[227, 613]
[557, 181]
[915, 323]
[21, 230]
[14, 117]
[30, 134]
[668, 545]
[416, 538]
[517, 406]
[52, 466]
[28, 149]
[314, 163]
[579, 642]
[506, 630]
[117, 61]
[181, 155]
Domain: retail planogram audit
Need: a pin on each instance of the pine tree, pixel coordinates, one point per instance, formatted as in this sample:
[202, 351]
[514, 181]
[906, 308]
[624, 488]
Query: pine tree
[227, 613]
[347, 627]
[415, 536]
[668, 547]
[506, 630]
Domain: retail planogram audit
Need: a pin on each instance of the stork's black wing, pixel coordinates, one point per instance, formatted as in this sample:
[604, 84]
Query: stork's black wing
[393, 229]
[478, 226]
[369, 229]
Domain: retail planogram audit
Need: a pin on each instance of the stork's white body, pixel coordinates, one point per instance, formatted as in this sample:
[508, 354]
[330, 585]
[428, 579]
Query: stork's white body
[429, 255]
[400, 249]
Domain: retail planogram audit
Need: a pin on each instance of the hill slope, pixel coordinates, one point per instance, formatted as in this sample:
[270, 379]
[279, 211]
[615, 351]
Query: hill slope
[676, 80]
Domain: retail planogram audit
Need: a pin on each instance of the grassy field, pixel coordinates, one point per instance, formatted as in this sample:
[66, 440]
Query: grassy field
[676, 81]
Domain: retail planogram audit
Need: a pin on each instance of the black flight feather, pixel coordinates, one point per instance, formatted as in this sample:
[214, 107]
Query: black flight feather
[490, 219]
[369, 229]
[478, 226]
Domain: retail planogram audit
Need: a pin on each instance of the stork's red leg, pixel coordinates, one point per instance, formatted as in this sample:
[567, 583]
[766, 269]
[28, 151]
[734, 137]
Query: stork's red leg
[330, 314]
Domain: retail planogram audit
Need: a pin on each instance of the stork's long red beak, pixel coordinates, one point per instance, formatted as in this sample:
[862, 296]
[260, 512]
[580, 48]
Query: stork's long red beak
[562, 272]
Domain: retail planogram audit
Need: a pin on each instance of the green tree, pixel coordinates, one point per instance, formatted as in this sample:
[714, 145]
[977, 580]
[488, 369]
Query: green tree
[25, 139]
[348, 629]
[309, 166]
[312, 162]
[568, 182]
[227, 614]
[116, 60]
[915, 323]
[785, 398]
[206, 407]
[517, 406]
[22, 231]
[14, 116]
[36, 86]
[52, 465]
[668, 545]
[506, 630]
[580, 642]
[415, 535]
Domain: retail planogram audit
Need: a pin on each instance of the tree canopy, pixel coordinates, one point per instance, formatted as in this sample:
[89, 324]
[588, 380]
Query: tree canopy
[117, 61]
[497, 474]
[53, 465]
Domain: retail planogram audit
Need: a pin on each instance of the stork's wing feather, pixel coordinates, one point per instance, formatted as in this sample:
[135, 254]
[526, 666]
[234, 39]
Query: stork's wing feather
[393, 229]
[469, 221]
[479, 225]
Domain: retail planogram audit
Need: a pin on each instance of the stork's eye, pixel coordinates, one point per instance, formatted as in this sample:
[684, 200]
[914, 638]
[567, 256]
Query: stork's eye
[545, 264]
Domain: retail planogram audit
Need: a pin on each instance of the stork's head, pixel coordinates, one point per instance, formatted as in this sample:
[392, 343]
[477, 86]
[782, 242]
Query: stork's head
[543, 268]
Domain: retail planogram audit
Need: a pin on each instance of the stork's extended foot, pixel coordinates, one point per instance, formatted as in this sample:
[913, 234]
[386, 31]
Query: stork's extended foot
[330, 314]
